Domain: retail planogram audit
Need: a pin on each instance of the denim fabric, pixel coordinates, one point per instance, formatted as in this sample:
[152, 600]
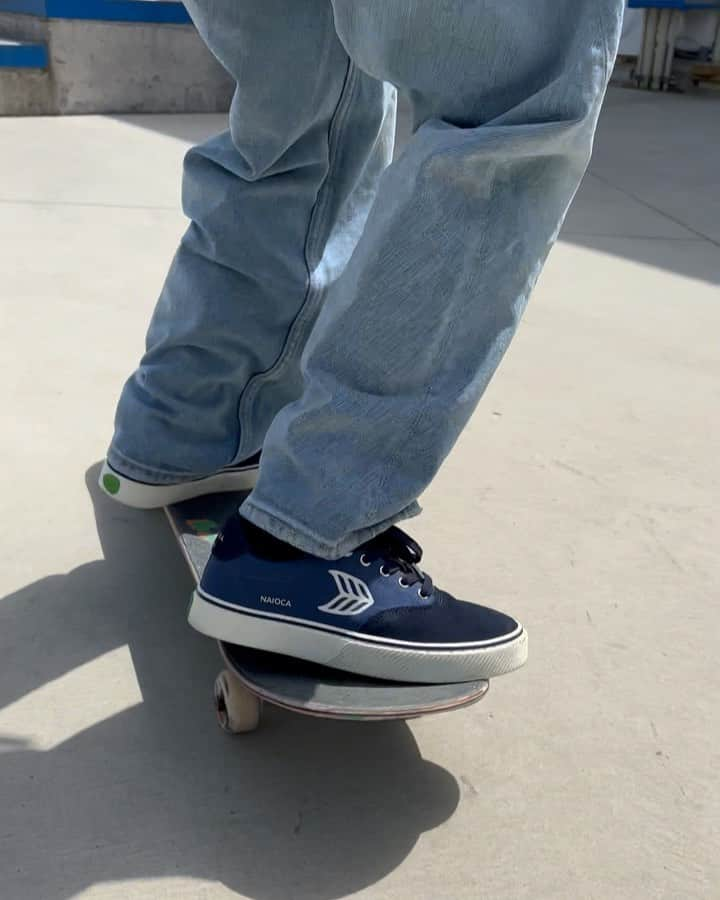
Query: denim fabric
[344, 314]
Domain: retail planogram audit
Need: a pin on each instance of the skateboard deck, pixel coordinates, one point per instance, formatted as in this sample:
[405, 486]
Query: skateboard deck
[253, 676]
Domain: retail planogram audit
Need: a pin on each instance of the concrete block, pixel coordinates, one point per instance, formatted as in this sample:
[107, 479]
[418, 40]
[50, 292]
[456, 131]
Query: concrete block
[114, 67]
[25, 92]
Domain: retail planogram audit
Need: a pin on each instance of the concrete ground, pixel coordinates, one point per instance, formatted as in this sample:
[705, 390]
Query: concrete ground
[583, 497]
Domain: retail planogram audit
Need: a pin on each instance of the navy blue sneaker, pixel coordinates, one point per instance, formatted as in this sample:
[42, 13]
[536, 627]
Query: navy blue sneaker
[373, 612]
[141, 495]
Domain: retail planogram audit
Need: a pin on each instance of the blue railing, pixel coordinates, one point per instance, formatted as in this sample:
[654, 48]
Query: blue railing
[674, 4]
[162, 11]
[22, 55]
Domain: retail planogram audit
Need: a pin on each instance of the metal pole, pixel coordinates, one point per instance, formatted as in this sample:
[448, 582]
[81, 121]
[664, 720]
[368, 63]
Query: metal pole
[676, 21]
[716, 45]
[660, 49]
[648, 47]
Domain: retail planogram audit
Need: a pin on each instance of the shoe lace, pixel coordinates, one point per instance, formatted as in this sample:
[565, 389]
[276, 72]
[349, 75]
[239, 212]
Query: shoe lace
[400, 554]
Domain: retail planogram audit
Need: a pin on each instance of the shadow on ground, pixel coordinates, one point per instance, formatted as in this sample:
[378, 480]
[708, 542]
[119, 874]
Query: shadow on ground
[192, 128]
[303, 808]
[651, 194]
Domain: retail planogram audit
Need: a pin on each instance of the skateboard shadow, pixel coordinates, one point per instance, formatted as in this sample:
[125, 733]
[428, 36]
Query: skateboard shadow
[303, 808]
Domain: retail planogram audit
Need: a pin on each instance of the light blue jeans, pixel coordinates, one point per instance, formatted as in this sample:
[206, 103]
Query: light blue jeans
[342, 313]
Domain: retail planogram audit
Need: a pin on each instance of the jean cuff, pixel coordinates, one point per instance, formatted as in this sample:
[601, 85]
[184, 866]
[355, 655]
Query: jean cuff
[298, 535]
[145, 474]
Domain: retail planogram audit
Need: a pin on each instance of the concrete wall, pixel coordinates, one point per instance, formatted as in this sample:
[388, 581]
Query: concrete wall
[25, 92]
[129, 67]
[113, 67]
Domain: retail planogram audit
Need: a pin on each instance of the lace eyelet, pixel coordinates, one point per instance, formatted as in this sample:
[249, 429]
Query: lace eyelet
[383, 572]
[423, 596]
[364, 560]
[403, 583]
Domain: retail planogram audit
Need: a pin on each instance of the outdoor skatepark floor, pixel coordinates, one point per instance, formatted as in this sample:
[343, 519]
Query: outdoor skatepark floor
[583, 497]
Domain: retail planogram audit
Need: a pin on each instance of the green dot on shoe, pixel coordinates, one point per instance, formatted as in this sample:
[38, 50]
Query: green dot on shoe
[111, 483]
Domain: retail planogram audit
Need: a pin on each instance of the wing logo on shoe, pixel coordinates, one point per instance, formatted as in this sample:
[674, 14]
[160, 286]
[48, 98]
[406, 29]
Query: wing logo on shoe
[353, 595]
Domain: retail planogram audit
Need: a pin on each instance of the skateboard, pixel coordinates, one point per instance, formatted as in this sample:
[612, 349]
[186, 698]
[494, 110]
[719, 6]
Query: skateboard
[251, 678]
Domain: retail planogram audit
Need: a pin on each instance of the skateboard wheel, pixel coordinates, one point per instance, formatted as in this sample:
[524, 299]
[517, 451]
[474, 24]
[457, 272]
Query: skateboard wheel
[238, 711]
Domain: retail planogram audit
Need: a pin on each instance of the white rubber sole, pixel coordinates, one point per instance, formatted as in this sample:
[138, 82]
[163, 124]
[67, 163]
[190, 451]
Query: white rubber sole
[153, 496]
[376, 659]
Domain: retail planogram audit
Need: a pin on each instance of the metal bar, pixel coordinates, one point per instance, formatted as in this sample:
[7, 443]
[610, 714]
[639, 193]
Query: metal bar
[660, 49]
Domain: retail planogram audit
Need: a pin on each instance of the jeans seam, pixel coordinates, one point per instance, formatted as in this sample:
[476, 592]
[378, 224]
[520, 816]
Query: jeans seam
[312, 293]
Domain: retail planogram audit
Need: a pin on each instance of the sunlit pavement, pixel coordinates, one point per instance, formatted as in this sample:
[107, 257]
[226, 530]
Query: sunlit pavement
[583, 497]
